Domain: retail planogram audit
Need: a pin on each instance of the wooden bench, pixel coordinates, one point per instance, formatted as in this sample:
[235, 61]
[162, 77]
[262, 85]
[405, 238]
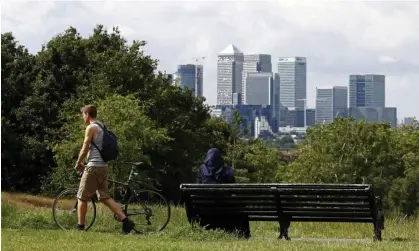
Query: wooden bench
[285, 203]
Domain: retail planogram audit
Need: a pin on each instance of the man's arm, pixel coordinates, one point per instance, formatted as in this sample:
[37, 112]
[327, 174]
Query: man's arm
[88, 137]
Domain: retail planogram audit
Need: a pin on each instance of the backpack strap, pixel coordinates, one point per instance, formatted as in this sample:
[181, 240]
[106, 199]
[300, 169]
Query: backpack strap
[102, 126]
[97, 123]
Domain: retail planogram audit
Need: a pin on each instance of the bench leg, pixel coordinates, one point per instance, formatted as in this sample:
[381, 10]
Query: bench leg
[283, 229]
[379, 226]
[377, 234]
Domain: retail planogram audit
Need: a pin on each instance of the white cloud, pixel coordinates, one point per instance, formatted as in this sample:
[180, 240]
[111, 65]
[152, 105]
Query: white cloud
[338, 38]
[386, 59]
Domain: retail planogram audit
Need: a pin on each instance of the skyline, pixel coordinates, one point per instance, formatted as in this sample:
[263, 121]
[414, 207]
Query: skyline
[379, 41]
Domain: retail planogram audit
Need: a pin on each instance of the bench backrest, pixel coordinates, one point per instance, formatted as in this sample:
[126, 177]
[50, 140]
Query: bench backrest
[274, 202]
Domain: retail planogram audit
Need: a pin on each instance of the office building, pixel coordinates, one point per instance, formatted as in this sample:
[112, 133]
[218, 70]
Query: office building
[237, 98]
[249, 113]
[294, 117]
[367, 90]
[229, 75]
[259, 87]
[408, 120]
[191, 76]
[254, 63]
[331, 103]
[375, 114]
[263, 129]
[293, 74]
[263, 88]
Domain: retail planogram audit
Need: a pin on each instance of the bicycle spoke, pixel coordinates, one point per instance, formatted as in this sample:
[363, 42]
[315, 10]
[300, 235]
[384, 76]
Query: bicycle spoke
[149, 210]
[65, 210]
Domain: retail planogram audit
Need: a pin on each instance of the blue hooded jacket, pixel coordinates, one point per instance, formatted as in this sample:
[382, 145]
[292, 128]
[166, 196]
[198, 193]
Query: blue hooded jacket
[214, 170]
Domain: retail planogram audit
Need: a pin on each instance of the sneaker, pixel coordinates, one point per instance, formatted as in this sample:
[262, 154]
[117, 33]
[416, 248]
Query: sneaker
[79, 228]
[127, 226]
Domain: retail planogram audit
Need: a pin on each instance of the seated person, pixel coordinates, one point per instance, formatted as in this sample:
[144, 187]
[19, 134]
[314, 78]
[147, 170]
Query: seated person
[214, 171]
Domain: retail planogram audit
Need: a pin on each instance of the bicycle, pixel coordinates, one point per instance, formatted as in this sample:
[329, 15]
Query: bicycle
[130, 194]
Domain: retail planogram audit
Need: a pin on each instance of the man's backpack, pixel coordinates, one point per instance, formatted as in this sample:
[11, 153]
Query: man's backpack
[109, 146]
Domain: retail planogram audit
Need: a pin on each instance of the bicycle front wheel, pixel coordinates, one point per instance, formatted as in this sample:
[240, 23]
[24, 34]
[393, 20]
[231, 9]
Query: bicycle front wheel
[149, 211]
[64, 210]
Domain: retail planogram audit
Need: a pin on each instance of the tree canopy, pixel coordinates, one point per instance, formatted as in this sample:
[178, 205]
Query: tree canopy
[362, 152]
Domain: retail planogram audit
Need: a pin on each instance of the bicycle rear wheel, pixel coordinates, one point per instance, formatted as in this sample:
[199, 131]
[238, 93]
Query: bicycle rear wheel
[64, 210]
[149, 211]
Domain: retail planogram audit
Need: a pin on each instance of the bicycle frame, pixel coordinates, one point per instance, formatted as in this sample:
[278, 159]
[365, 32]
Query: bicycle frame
[128, 186]
[136, 196]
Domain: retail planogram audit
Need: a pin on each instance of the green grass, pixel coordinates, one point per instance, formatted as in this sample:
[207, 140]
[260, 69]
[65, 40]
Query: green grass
[27, 224]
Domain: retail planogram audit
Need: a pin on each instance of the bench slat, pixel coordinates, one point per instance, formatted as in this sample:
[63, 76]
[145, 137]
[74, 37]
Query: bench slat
[185, 187]
[312, 219]
[284, 199]
[323, 214]
[274, 208]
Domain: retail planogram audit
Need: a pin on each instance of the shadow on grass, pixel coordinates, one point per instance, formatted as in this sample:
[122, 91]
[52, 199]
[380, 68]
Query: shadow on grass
[401, 239]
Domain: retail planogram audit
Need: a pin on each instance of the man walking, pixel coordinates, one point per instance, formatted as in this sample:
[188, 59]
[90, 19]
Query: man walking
[95, 174]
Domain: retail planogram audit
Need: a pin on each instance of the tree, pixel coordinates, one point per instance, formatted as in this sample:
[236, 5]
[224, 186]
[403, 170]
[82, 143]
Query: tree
[73, 71]
[135, 131]
[360, 152]
[17, 72]
[252, 159]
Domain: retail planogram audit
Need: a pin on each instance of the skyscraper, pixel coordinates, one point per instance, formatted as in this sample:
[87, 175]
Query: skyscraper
[375, 114]
[293, 74]
[191, 75]
[229, 75]
[367, 90]
[258, 88]
[263, 88]
[254, 63]
[331, 103]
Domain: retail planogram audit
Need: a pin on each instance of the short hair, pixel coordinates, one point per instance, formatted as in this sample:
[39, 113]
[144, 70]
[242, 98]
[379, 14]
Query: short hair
[90, 109]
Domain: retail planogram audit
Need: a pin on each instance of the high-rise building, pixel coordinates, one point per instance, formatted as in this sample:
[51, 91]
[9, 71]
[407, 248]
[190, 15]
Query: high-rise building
[191, 75]
[375, 114]
[254, 63]
[276, 98]
[367, 90]
[248, 114]
[293, 74]
[293, 117]
[229, 75]
[263, 88]
[408, 120]
[331, 103]
[173, 79]
[259, 86]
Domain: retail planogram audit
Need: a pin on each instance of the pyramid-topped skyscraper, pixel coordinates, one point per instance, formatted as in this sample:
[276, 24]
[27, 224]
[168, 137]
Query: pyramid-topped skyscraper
[229, 76]
[230, 50]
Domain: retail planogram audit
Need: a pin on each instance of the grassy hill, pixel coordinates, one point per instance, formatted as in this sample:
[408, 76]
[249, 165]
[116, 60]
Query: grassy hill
[27, 224]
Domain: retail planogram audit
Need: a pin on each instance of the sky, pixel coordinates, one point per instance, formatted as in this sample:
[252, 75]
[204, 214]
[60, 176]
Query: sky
[338, 38]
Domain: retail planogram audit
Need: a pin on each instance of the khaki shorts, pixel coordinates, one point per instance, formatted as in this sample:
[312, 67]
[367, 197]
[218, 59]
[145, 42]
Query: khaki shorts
[94, 180]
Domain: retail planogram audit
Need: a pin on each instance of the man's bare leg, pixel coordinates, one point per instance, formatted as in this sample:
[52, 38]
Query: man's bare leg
[127, 225]
[81, 211]
[114, 207]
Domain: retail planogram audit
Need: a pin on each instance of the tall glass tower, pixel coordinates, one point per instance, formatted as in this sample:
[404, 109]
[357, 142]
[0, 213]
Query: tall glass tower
[191, 75]
[229, 75]
[367, 90]
[293, 74]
